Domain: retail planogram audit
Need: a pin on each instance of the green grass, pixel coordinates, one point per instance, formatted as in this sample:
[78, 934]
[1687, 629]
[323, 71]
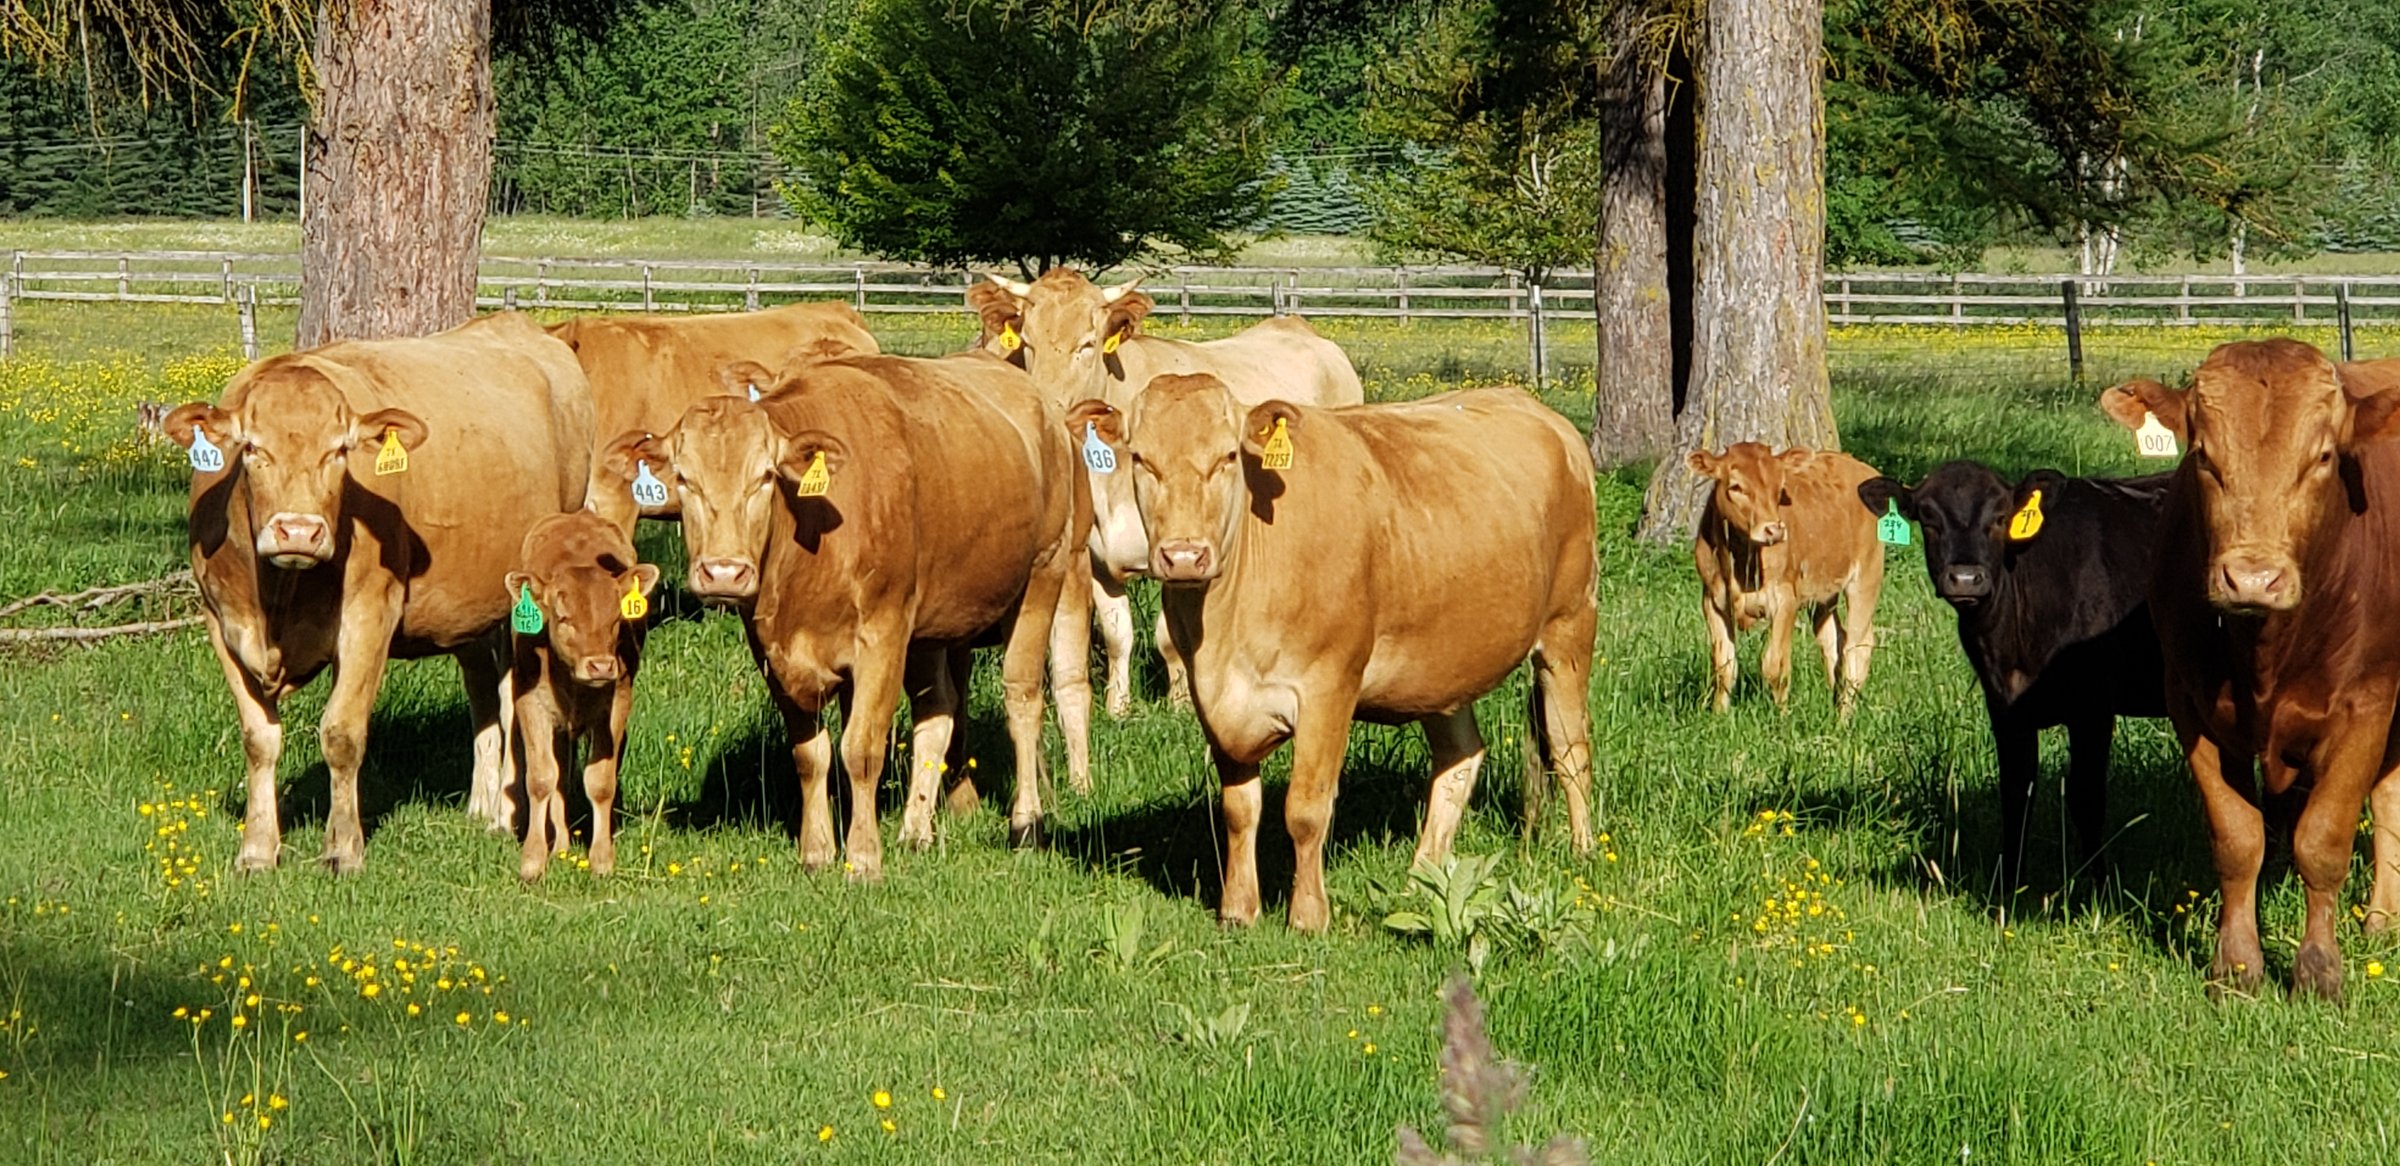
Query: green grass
[689, 1010]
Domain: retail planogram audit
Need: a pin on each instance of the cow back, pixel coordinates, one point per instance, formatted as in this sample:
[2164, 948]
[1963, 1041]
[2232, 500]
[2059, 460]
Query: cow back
[1283, 359]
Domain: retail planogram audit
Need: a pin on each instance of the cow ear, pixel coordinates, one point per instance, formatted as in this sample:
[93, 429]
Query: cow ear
[1101, 416]
[1704, 463]
[1795, 458]
[369, 430]
[2374, 391]
[622, 458]
[2049, 482]
[1126, 313]
[645, 578]
[740, 376]
[2127, 404]
[1881, 494]
[212, 422]
[800, 452]
[995, 306]
[516, 583]
[1260, 425]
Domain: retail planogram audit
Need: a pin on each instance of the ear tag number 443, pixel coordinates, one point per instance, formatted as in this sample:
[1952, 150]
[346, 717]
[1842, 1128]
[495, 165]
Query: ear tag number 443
[1892, 529]
[206, 457]
[2154, 439]
[2027, 521]
[1097, 457]
[1277, 454]
[647, 489]
[526, 617]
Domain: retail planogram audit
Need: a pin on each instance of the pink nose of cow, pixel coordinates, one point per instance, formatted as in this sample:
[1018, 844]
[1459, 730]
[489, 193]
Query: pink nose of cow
[2256, 583]
[1184, 560]
[724, 578]
[295, 540]
[1771, 533]
[598, 669]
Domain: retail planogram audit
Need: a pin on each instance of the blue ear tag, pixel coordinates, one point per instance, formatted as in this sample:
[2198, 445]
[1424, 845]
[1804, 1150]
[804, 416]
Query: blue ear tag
[206, 457]
[647, 489]
[1096, 454]
[754, 391]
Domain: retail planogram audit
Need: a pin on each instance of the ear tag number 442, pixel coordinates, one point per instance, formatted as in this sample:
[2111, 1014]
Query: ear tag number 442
[1097, 457]
[1892, 529]
[526, 617]
[206, 457]
[2154, 439]
[2027, 521]
[647, 489]
[393, 458]
[1277, 454]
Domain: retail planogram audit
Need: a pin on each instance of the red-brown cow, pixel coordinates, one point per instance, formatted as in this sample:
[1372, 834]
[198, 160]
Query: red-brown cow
[2274, 602]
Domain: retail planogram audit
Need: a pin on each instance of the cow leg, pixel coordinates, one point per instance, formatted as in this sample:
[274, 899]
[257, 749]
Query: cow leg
[567, 745]
[1318, 743]
[961, 798]
[1822, 620]
[2321, 849]
[1113, 610]
[1071, 678]
[933, 707]
[1245, 802]
[812, 763]
[867, 712]
[1775, 663]
[537, 735]
[2089, 740]
[2019, 747]
[1021, 693]
[491, 703]
[2238, 839]
[600, 777]
[1724, 664]
[1858, 632]
[1179, 678]
[2383, 895]
[262, 747]
[1458, 753]
[1562, 666]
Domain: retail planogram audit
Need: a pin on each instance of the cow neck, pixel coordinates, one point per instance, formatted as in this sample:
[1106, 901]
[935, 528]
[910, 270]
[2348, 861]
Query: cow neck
[2005, 636]
[1745, 560]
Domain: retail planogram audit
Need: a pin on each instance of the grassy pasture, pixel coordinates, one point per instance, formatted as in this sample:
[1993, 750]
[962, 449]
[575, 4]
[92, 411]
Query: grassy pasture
[1787, 949]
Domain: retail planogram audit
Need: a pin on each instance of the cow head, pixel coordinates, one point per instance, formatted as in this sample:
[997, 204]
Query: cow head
[292, 436]
[1962, 510]
[725, 463]
[2272, 430]
[1189, 449]
[1066, 329]
[1751, 491]
[579, 568]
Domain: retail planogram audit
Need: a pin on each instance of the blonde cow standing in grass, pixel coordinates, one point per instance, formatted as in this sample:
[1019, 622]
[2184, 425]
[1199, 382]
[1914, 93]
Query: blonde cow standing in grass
[1081, 341]
[1784, 531]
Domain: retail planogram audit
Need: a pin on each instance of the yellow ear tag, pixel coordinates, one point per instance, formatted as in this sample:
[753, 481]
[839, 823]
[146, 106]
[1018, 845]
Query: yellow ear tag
[814, 479]
[1010, 342]
[393, 458]
[2028, 521]
[1109, 346]
[1278, 453]
[635, 605]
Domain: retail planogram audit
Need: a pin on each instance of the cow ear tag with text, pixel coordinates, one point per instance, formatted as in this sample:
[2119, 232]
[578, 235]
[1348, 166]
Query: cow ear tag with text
[1892, 529]
[2027, 521]
[647, 489]
[1108, 347]
[2154, 439]
[206, 457]
[1010, 342]
[635, 605]
[1096, 455]
[814, 479]
[1278, 452]
[393, 458]
[525, 618]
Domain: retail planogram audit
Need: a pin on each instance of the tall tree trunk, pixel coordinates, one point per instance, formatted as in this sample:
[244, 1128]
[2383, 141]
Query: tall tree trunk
[1758, 370]
[399, 167]
[1633, 407]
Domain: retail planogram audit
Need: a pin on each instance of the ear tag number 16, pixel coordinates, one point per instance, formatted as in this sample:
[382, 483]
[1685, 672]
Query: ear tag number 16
[1096, 455]
[1892, 529]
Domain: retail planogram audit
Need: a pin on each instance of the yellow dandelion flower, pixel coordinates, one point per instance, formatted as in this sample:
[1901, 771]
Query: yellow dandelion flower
[300, 1037]
[414, 1010]
[371, 991]
[241, 1021]
[1368, 1049]
[2374, 968]
[889, 1128]
[276, 1101]
[265, 1121]
[500, 1018]
[464, 1017]
[883, 1099]
[824, 1133]
[938, 1095]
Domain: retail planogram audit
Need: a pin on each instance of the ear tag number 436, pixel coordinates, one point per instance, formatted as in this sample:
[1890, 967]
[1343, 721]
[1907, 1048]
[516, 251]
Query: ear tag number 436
[647, 489]
[2154, 439]
[206, 457]
[1892, 529]
[526, 617]
[1097, 457]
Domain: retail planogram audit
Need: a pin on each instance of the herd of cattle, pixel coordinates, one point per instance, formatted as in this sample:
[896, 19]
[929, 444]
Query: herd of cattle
[875, 518]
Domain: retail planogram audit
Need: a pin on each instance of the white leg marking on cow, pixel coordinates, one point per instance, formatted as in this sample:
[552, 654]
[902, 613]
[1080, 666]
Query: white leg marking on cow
[1071, 679]
[262, 747]
[1244, 799]
[538, 742]
[866, 728]
[1179, 679]
[1458, 752]
[1114, 612]
[933, 706]
[812, 762]
[491, 704]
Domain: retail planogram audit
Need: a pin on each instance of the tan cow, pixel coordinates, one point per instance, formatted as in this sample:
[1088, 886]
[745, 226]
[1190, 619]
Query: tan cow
[1386, 563]
[876, 515]
[1784, 531]
[646, 370]
[362, 501]
[1082, 342]
[578, 603]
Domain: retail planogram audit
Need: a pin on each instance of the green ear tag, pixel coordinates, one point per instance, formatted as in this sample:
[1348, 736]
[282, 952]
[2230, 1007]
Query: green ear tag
[1891, 528]
[525, 618]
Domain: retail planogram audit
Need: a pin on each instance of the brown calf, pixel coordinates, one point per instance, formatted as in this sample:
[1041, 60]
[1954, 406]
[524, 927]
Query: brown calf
[585, 596]
[1384, 562]
[2274, 602]
[1783, 531]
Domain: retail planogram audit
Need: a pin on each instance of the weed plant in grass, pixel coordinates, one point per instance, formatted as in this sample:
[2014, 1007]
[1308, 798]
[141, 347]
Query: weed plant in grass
[1787, 948]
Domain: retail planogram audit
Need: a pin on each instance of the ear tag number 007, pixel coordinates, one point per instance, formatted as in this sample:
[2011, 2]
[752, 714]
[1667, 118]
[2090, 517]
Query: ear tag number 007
[1277, 455]
[2027, 521]
[647, 489]
[526, 617]
[206, 457]
[393, 458]
[1096, 455]
[1892, 529]
[2154, 439]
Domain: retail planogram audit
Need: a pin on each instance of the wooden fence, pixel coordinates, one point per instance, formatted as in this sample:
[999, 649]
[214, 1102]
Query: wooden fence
[245, 280]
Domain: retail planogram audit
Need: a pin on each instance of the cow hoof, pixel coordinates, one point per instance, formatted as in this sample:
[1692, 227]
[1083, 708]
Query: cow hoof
[1119, 706]
[1236, 919]
[604, 862]
[254, 862]
[1179, 698]
[917, 838]
[2317, 971]
[343, 862]
[2379, 921]
[870, 871]
[531, 870]
[1025, 835]
[2238, 978]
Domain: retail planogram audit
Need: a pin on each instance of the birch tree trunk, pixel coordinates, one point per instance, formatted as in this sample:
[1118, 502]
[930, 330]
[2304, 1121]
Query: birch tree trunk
[1633, 406]
[399, 168]
[1758, 370]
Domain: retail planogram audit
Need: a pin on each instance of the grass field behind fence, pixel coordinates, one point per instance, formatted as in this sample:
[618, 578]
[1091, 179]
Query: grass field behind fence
[1786, 950]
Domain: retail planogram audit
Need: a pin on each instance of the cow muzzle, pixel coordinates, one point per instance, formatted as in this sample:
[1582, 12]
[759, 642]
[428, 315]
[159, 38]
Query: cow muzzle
[723, 580]
[1963, 586]
[599, 671]
[1770, 534]
[2251, 583]
[1184, 560]
[295, 541]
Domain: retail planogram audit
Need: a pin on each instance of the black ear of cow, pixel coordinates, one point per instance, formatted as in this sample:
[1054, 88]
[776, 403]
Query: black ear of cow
[2049, 482]
[1880, 493]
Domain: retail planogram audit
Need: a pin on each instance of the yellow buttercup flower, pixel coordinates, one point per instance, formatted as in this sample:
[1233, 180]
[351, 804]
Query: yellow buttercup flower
[883, 1099]
[824, 1133]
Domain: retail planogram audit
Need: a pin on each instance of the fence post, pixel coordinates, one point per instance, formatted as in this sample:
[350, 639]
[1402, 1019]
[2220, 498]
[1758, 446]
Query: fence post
[541, 282]
[508, 297]
[2183, 307]
[1541, 345]
[2067, 291]
[8, 327]
[2341, 312]
[1958, 303]
[648, 305]
[247, 304]
[1183, 288]
[2299, 299]
[750, 293]
[124, 276]
[1291, 299]
[859, 296]
[1400, 277]
[225, 280]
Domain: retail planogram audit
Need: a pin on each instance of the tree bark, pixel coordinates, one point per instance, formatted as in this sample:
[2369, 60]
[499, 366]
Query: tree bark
[399, 168]
[1633, 406]
[1758, 371]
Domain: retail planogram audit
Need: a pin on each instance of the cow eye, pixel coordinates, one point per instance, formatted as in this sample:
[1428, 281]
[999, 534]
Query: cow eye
[1733, 488]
